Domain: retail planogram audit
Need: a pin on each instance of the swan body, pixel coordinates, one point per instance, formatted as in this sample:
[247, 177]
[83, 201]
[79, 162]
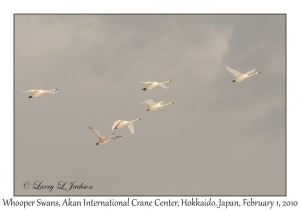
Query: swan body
[103, 139]
[154, 106]
[239, 76]
[120, 124]
[151, 85]
[37, 93]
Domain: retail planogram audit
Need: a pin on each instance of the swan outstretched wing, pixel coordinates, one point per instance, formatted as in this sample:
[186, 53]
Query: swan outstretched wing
[98, 133]
[234, 72]
[115, 124]
[131, 128]
[34, 91]
[163, 86]
[249, 72]
[149, 102]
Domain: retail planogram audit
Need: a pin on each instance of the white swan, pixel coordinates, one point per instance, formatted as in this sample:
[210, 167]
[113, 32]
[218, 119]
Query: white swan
[155, 106]
[37, 93]
[121, 124]
[103, 139]
[239, 76]
[151, 85]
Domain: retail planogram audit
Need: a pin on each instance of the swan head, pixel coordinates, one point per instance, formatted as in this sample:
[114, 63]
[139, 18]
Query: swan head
[139, 119]
[172, 102]
[169, 81]
[258, 72]
[54, 88]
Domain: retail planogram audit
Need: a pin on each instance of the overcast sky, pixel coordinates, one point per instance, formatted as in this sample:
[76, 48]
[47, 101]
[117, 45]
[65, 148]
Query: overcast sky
[218, 138]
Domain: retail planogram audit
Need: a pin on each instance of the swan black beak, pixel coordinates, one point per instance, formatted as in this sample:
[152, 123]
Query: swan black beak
[233, 81]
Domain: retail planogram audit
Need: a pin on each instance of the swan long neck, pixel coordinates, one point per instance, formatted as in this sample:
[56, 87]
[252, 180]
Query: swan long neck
[249, 75]
[110, 136]
[134, 120]
[167, 104]
[165, 82]
[47, 91]
[50, 91]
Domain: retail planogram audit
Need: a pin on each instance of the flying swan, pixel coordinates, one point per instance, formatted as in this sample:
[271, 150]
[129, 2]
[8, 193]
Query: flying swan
[239, 76]
[103, 139]
[155, 106]
[37, 93]
[151, 85]
[120, 124]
